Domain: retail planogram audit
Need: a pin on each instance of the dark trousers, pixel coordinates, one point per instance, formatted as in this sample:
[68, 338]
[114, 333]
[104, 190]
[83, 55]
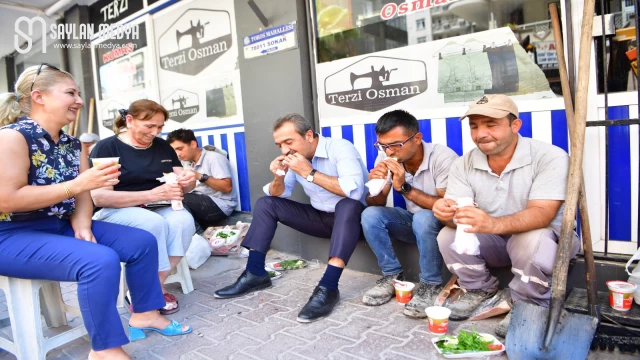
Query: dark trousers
[203, 209]
[47, 249]
[342, 227]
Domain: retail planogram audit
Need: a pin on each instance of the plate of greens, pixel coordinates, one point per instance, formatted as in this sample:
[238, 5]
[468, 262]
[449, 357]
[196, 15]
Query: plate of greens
[287, 264]
[224, 234]
[468, 344]
[273, 274]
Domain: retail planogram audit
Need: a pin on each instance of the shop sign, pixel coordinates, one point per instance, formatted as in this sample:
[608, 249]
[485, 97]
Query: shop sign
[195, 40]
[375, 83]
[112, 11]
[115, 49]
[110, 112]
[392, 9]
[271, 40]
[546, 54]
[181, 105]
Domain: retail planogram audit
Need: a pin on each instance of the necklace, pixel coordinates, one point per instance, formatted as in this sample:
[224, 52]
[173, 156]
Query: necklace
[134, 146]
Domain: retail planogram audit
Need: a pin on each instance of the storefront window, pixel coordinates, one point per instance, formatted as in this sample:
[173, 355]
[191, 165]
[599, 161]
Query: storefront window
[347, 28]
[620, 46]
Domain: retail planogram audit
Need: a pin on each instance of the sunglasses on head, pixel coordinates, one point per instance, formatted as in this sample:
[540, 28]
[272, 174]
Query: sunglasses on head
[39, 70]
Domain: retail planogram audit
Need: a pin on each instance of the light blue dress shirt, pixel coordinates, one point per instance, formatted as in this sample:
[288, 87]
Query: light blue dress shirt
[333, 157]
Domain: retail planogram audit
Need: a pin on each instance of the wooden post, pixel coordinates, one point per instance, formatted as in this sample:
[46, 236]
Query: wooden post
[75, 124]
[587, 243]
[90, 122]
[561, 266]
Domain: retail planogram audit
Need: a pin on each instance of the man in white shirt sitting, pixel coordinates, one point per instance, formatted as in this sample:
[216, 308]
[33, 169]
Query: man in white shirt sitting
[332, 174]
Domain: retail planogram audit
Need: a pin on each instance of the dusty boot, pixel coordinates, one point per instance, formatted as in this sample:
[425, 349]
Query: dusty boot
[503, 326]
[423, 297]
[464, 307]
[383, 291]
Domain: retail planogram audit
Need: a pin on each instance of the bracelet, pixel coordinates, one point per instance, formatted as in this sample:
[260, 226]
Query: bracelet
[67, 190]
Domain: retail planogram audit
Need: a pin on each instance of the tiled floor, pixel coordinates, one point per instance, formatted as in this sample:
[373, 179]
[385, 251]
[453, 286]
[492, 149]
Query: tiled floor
[262, 325]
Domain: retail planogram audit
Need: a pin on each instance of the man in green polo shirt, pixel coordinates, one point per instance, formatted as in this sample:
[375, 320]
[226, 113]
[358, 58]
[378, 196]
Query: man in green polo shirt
[519, 187]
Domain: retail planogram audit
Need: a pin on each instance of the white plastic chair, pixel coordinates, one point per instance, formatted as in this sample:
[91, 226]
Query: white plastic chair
[25, 303]
[182, 275]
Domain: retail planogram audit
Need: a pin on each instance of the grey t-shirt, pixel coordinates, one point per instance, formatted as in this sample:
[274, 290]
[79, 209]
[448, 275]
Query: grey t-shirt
[216, 166]
[537, 171]
[432, 173]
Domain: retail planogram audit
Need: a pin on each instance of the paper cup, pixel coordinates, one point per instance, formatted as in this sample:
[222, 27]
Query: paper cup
[621, 294]
[98, 161]
[404, 291]
[438, 317]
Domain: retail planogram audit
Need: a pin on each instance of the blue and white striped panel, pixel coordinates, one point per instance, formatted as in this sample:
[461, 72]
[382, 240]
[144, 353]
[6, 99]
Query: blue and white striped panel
[231, 139]
[549, 126]
[624, 150]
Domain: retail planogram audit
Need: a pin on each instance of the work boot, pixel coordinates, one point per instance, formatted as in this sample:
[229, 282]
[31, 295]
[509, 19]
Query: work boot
[503, 326]
[423, 297]
[383, 291]
[464, 307]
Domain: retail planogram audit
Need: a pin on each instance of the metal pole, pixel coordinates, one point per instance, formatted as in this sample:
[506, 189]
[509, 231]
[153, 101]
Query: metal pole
[605, 89]
[569, 44]
[637, 6]
[313, 59]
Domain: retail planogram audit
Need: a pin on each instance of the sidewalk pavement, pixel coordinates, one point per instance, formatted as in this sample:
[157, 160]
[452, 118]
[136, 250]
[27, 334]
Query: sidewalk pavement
[262, 325]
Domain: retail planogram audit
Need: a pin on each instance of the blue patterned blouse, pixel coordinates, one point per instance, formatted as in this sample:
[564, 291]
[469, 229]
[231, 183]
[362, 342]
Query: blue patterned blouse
[51, 163]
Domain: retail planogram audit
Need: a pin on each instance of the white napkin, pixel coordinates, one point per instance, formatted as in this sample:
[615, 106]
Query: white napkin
[376, 185]
[172, 178]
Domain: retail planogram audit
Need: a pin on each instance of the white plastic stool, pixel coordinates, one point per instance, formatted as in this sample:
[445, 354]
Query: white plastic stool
[25, 303]
[182, 275]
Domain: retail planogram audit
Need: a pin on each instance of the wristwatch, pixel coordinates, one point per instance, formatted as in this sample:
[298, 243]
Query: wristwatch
[310, 176]
[204, 178]
[405, 188]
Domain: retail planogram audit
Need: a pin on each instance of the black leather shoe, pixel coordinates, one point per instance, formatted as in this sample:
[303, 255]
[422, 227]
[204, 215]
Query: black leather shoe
[246, 283]
[320, 304]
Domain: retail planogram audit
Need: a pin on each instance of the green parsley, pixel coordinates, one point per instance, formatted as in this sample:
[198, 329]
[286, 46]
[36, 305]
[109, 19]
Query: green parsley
[463, 343]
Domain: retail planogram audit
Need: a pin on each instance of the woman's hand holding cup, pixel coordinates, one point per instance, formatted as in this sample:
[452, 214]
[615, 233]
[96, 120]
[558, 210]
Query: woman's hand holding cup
[103, 174]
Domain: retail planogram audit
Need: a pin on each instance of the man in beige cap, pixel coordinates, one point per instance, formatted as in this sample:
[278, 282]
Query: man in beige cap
[519, 187]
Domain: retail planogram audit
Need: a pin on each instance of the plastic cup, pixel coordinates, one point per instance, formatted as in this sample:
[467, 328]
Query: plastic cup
[98, 161]
[621, 294]
[438, 317]
[404, 291]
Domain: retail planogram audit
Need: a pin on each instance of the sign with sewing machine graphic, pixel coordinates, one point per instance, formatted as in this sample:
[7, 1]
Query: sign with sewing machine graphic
[181, 105]
[195, 40]
[438, 74]
[109, 112]
[375, 83]
[270, 40]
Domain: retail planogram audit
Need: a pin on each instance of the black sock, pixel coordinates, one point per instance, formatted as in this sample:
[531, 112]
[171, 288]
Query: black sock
[255, 263]
[331, 277]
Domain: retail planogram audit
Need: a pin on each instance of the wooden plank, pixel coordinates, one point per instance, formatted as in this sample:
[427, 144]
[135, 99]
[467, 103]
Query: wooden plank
[577, 302]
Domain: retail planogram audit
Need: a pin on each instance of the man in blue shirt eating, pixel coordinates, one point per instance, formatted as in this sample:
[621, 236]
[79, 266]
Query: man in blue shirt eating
[332, 174]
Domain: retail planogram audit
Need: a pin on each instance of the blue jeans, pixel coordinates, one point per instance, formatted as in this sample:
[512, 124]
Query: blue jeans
[47, 249]
[380, 224]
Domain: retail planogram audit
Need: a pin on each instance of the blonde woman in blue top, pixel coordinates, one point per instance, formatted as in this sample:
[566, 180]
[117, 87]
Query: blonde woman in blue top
[46, 231]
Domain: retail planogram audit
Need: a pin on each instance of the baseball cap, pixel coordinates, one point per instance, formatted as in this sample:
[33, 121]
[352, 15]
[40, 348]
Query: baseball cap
[494, 106]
